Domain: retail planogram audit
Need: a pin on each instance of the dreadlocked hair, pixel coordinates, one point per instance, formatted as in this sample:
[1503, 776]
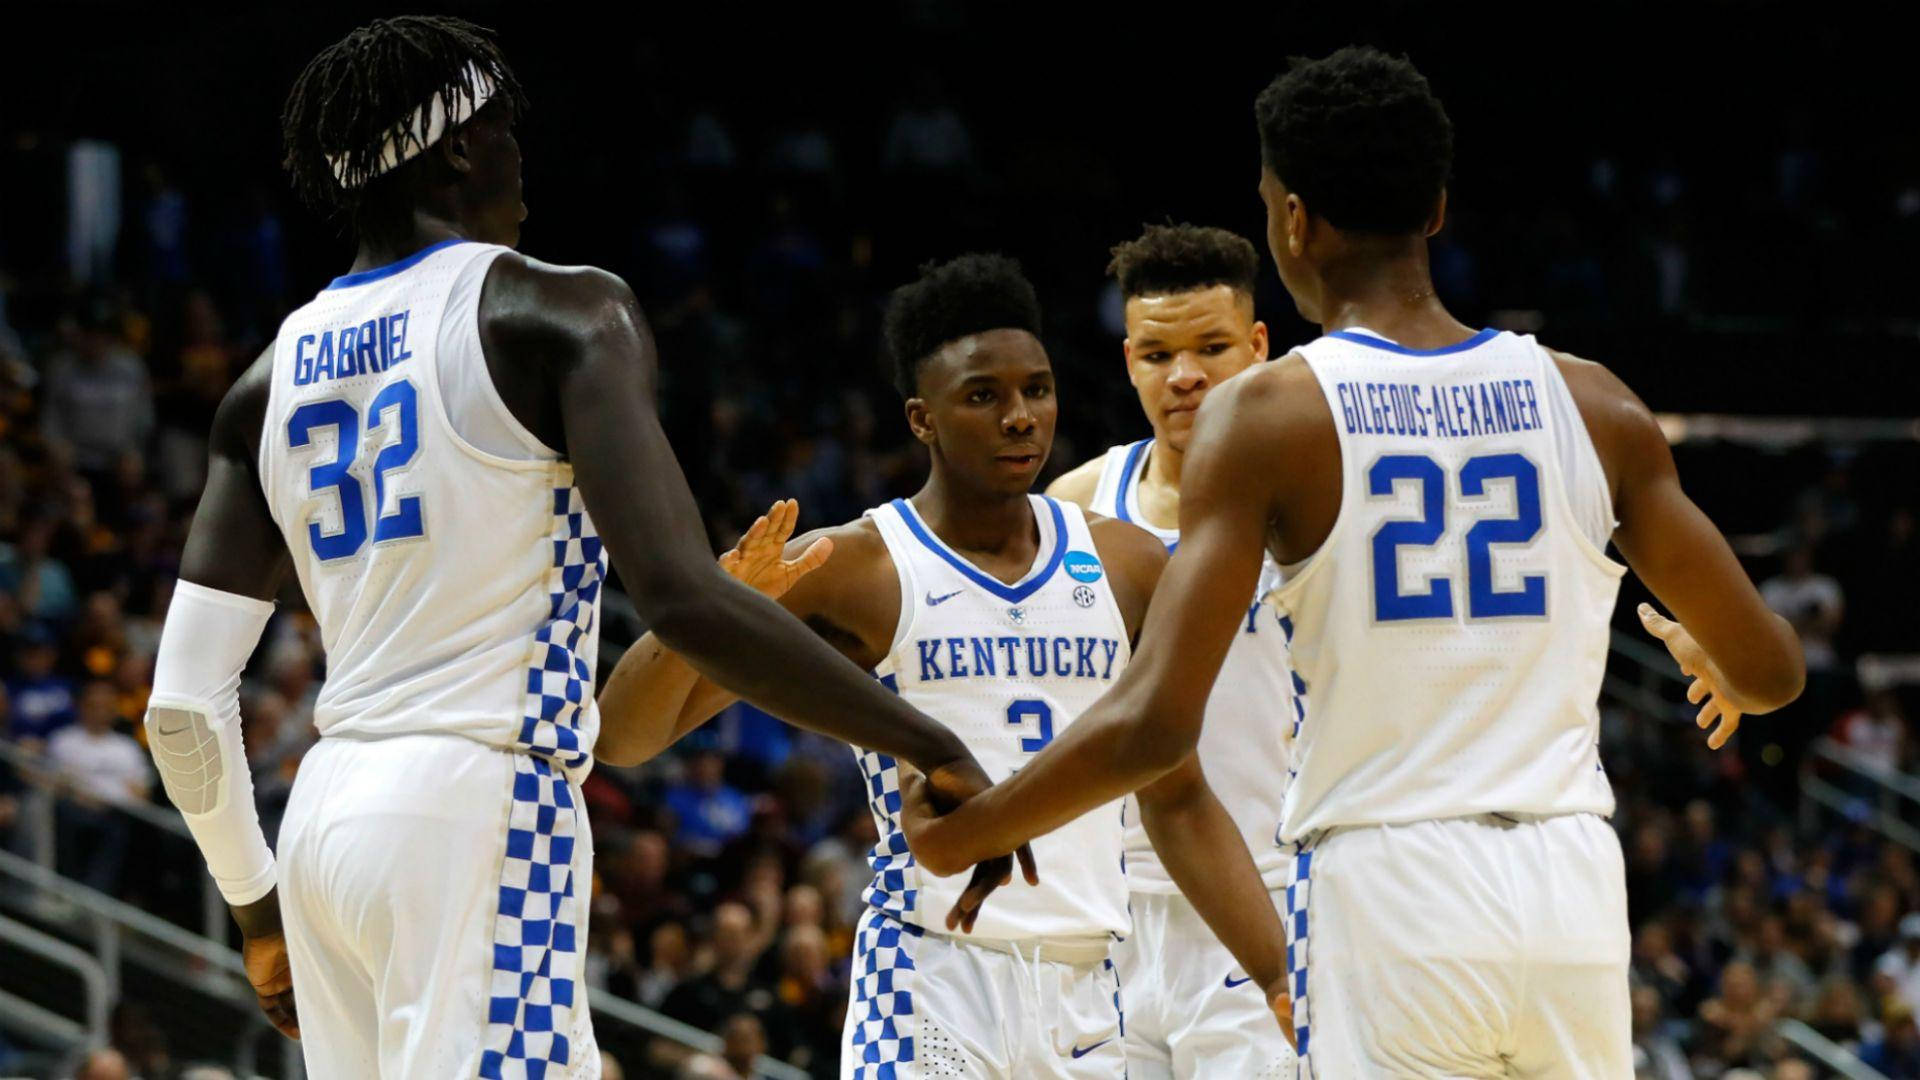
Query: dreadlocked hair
[364, 88]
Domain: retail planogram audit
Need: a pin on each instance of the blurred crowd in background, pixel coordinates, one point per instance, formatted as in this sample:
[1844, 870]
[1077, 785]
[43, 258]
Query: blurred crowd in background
[762, 238]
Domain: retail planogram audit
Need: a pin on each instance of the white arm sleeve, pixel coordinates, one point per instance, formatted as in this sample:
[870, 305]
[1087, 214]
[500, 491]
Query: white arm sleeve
[193, 732]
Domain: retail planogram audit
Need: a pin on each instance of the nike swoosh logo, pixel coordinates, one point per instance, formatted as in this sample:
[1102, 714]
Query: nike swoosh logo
[164, 732]
[936, 601]
[1233, 982]
[1082, 1051]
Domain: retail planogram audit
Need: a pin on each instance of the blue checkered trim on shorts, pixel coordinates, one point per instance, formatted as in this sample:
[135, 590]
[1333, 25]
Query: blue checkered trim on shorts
[560, 674]
[880, 1022]
[1298, 899]
[536, 932]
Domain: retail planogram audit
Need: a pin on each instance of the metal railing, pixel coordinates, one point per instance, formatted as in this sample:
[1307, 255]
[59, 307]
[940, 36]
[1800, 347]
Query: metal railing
[1829, 1053]
[60, 1031]
[38, 816]
[1887, 801]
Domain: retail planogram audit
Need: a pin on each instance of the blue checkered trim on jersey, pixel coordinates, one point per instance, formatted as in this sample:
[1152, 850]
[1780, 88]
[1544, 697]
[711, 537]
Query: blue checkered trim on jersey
[560, 674]
[879, 1043]
[892, 862]
[536, 931]
[1298, 900]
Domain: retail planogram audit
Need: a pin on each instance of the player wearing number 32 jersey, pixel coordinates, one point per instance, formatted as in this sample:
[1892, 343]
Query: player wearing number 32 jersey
[1439, 500]
[1004, 614]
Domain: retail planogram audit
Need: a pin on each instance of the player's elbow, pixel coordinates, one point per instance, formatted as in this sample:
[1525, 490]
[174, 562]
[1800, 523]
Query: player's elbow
[1779, 681]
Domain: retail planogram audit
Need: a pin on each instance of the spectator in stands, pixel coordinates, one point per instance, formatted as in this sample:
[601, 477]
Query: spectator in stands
[1840, 1015]
[1734, 1025]
[1779, 968]
[97, 770]
[728, 986]
[1656, 1054]
[1897, 1054]
[745, 1041]
[709, 811]
[41, 584]
[97, 402]
[1898, 970]
[103, 1064]
[610, 1067]
[669, 958]
[1876, 731]
[42, 699]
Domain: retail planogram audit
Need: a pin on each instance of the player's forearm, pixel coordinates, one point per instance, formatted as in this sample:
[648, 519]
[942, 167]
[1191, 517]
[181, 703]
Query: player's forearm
[1207, 857]
[1107, 753]
[753, 647]
[643, 705]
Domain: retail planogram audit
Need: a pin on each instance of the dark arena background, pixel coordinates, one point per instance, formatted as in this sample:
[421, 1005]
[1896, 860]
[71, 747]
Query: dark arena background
[1720, 202]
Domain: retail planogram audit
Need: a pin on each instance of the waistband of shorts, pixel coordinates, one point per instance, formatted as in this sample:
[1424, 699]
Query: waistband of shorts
[1499, 819]
[1057, 950]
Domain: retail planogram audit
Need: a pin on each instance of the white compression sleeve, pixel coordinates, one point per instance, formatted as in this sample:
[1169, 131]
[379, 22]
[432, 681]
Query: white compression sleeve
[193, 732]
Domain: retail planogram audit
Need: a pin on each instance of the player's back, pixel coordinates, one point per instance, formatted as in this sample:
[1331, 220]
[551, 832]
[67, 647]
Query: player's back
[1452, 629]
[444, 551]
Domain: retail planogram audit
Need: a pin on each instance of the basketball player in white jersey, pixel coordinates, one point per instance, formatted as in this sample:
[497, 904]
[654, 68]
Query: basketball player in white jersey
[1440, 500]
[1005, 614]
[422, 443]
[1191, 1013]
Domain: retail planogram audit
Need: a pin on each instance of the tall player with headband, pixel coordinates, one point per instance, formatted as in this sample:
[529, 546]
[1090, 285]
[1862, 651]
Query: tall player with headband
[422, 443]
[1191, 1013]
[1440, 501]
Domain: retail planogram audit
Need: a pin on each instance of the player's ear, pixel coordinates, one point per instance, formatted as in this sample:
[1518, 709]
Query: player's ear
[454, 150]
[918, 421]
[1297, 225]
[1258, 336]
[1439, 219]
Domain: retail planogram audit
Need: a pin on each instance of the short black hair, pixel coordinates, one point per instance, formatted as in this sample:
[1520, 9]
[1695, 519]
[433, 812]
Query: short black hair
[1182, 258]
[970, 294]
[364, 87]
[1359, 136]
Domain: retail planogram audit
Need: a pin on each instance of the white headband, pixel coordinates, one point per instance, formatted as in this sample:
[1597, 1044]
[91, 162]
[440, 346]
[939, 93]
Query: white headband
[422, 129]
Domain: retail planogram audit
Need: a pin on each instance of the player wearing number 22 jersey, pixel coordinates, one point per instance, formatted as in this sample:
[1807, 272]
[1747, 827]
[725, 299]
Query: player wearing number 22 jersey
[1004, 614]
[1440, 501]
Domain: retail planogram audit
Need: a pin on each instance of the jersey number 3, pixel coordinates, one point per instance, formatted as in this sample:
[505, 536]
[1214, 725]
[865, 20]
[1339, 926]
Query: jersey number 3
[397, 404]
[1483, 600]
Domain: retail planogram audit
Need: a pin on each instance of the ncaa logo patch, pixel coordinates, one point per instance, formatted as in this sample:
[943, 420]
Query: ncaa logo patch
[1082, 567]
[1083, 596]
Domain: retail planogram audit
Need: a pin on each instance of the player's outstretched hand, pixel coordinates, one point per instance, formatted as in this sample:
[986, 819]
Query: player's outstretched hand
[264, 953]
[759, 559]
[1708, 684]
[923, 801]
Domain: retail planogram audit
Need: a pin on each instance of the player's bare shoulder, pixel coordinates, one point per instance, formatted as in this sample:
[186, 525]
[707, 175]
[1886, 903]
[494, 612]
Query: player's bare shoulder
[526, 298]
[853, 599]
[1625, 433]
[1078, 484]
[1133, 558]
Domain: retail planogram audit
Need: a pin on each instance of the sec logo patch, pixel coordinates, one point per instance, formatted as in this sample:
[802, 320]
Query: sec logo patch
[1083, 567]
[1083, 596]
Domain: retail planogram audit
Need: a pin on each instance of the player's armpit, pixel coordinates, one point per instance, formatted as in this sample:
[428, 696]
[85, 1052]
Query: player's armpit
[1206, 856]
[1682, 557]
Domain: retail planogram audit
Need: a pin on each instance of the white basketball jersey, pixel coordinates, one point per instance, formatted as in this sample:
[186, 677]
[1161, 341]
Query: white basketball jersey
[456, 590]
[1006, 668]
[1251, 713]
[1453, 627]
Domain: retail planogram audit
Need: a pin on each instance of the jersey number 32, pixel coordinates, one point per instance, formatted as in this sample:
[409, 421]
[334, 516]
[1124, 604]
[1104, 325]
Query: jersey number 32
[397, 404]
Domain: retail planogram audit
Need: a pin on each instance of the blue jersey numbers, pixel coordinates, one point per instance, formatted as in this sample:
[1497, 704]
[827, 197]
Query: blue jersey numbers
[395, 410]
[1436, 599]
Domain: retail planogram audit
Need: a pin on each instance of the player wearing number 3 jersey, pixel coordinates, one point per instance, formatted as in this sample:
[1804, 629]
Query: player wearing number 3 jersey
[1439, 500]
[1004, 614]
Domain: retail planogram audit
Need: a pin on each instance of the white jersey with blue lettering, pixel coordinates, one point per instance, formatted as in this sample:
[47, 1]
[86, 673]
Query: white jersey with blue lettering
[444, 551]
[1006, 668]
[1453, 627]
[1256, 702]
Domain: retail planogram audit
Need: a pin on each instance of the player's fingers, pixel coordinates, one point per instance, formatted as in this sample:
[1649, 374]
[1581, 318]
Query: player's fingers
[1729, 724]
[1707, 712]
[813, 558]
[1028, 868]
[1657, 624]
[1696, 691]
[779, 522]
[754, 532]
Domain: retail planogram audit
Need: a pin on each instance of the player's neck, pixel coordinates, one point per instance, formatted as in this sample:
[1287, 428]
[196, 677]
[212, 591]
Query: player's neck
[979, 522]
[1160, 485]
[1392, 296]
[423, 228]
